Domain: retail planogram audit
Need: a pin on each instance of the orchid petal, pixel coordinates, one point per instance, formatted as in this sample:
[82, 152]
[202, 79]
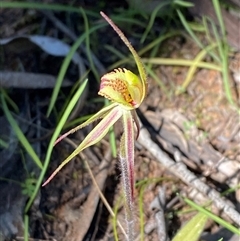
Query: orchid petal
[93, 137]
[99, 115]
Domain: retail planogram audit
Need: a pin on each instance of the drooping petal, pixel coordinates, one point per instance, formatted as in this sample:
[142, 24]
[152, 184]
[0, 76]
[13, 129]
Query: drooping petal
[123, 87]
[98, 132]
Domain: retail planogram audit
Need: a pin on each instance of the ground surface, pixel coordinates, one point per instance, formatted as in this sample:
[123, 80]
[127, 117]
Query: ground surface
[198, 128]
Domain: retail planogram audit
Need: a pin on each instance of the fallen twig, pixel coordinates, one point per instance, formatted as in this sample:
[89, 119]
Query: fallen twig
[179, 169]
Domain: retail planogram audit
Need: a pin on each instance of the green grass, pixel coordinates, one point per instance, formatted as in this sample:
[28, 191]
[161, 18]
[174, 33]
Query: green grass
[212, 216]
[217, 49]
[221, 57]
[21, 137]
[36, 184]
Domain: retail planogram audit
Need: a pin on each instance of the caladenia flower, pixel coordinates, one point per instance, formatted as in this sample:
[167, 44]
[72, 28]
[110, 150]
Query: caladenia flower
[126, 91]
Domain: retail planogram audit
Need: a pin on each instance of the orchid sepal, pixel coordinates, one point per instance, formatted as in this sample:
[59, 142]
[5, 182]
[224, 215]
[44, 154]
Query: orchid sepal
[99, 115]
[127, 91]
[140, 66]
[98, 132]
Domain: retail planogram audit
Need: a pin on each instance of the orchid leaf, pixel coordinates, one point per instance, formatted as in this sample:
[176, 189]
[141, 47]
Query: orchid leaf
[99, 115]
[93, 137]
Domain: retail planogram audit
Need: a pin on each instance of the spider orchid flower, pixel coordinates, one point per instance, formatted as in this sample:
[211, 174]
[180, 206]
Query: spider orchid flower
[126, 91]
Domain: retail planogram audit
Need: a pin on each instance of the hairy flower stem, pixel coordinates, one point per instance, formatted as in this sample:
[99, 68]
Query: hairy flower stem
[126, 91]
[128, 200]
[127, 166]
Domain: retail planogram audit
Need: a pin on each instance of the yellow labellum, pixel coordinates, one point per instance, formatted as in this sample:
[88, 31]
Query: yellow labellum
[123, 87]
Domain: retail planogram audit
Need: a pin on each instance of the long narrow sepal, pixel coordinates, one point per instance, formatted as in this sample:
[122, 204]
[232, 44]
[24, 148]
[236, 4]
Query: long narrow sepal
[93, 137]
[99, 115]
[137, 59]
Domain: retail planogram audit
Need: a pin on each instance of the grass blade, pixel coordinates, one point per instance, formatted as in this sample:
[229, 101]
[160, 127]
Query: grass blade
[194, 67]
[65, 65]
[217, 219]
[152, 19]
[193, 229]
[53, 139]
[182, 62]
[21, 137]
